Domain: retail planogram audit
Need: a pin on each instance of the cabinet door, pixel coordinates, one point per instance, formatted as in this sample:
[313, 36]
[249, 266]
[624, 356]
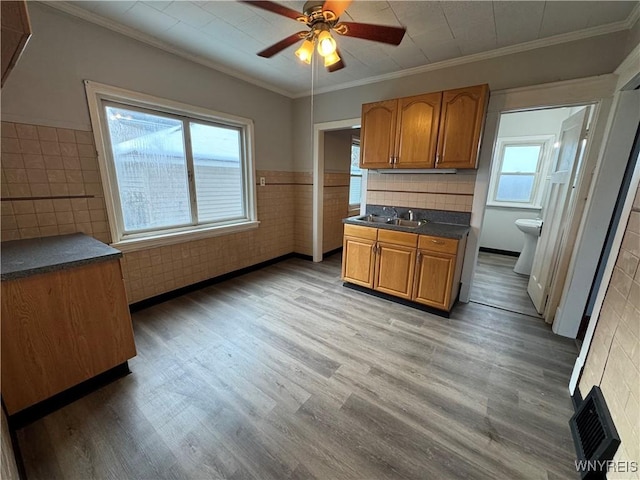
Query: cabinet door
[434, 279]
[394, 269]
[461, 122]
[60, 329]
[358, 261]
[417, 132]
[377, 134]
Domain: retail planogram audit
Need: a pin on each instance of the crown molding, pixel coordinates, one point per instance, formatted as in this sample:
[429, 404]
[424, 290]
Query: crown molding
[477, 57]
[629, 70]
[633, 16]
[69, 8]
[83, 14]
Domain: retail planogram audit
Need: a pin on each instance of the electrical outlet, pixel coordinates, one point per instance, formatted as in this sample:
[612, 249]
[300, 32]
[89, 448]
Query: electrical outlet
[263, 181]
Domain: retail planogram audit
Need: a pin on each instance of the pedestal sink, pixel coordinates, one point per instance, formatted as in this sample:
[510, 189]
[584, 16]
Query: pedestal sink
[531, 229]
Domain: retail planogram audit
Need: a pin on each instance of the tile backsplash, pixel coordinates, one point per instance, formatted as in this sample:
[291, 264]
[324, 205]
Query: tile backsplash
[50, 183]
[452, 192]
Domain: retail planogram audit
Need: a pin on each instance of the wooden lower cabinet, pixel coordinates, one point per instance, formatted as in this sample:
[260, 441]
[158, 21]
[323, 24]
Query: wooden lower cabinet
[438, 272]
[395, 263]
[414, 267]
[62, 328]
[434, 277]
[358, 261]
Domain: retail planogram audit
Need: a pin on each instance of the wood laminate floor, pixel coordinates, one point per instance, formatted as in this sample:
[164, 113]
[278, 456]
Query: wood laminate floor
[285, 374]
[496, 284]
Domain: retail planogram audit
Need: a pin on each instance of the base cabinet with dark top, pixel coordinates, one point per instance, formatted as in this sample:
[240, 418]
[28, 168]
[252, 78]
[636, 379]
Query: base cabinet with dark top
[65, 317]
[421, 268]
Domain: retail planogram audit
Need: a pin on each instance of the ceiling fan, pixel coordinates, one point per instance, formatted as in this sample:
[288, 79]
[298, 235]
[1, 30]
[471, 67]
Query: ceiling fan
[322, 17]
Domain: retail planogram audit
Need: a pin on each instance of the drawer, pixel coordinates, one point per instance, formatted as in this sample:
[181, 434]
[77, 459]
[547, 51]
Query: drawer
[438, 244]
[398, 238]
[360, 232]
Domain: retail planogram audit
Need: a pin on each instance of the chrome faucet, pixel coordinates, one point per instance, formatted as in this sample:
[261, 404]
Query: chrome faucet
[412, 215]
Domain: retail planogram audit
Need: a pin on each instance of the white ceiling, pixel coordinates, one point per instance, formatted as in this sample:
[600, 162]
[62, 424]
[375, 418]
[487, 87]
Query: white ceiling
[227, 35]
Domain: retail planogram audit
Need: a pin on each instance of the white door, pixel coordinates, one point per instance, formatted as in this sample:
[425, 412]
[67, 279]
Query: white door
[555, 204]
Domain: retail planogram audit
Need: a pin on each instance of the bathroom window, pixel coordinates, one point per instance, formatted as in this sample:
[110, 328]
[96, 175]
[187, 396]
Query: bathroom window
[516, 179]
[173, 172]
[355, 183]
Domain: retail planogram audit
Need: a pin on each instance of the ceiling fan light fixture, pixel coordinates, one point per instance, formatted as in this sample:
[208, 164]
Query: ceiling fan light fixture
[305, 52]
[326, 43]
[331, 59]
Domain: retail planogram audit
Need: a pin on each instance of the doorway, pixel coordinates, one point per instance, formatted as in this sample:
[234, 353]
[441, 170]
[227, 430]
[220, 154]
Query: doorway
[320, 131]
[536, 161]
[342, 193]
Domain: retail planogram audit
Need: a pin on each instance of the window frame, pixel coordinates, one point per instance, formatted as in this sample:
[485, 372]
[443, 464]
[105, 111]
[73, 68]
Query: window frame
[99, 95]
[352, 206]
[545, 142]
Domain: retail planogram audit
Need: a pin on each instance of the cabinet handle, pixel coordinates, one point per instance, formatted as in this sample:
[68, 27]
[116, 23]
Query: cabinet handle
[419, 257]
[437, 158]
[395, 160]
[438, 242]
[390, 160]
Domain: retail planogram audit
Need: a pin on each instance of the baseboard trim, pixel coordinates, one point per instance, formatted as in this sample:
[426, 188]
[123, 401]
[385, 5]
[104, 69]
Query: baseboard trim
[500, 252]
[35, 412]
[163, 297]
[401, 301]
[331, 253]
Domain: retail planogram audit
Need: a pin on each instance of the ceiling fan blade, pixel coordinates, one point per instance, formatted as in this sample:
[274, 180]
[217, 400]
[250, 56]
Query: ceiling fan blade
[339, 65]
[376, 33]
[281, 45]
[274, 8]
[336, 6]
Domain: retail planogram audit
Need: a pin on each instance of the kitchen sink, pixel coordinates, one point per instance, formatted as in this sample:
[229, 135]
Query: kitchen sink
[401, 222]
[373, 219]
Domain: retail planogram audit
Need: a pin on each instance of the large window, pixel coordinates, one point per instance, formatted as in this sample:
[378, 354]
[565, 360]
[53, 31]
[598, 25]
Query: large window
[173, 171]
[517, 174]
[355, 183]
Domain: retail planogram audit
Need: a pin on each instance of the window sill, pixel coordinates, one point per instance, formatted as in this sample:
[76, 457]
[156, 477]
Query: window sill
[513, 206]
[161, 240]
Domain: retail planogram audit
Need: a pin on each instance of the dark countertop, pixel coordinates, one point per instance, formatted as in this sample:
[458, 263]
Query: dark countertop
[23, 258]
[436, 229]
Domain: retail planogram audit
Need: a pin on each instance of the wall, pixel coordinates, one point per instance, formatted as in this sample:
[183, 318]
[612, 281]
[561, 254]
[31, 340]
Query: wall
[613, 361]
[50, 179]
[51, 185]
[46, 87]
[498, 228]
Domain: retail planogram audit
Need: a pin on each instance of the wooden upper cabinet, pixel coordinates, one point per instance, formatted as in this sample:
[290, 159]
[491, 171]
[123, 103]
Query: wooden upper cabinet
[417, 131]
[433, 130]
[377, 135]
[16, 30]
[461, 122]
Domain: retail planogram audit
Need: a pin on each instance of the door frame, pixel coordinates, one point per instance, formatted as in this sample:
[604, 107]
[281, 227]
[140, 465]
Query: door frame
[319, 130]
[628, 79]
[598, 91]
